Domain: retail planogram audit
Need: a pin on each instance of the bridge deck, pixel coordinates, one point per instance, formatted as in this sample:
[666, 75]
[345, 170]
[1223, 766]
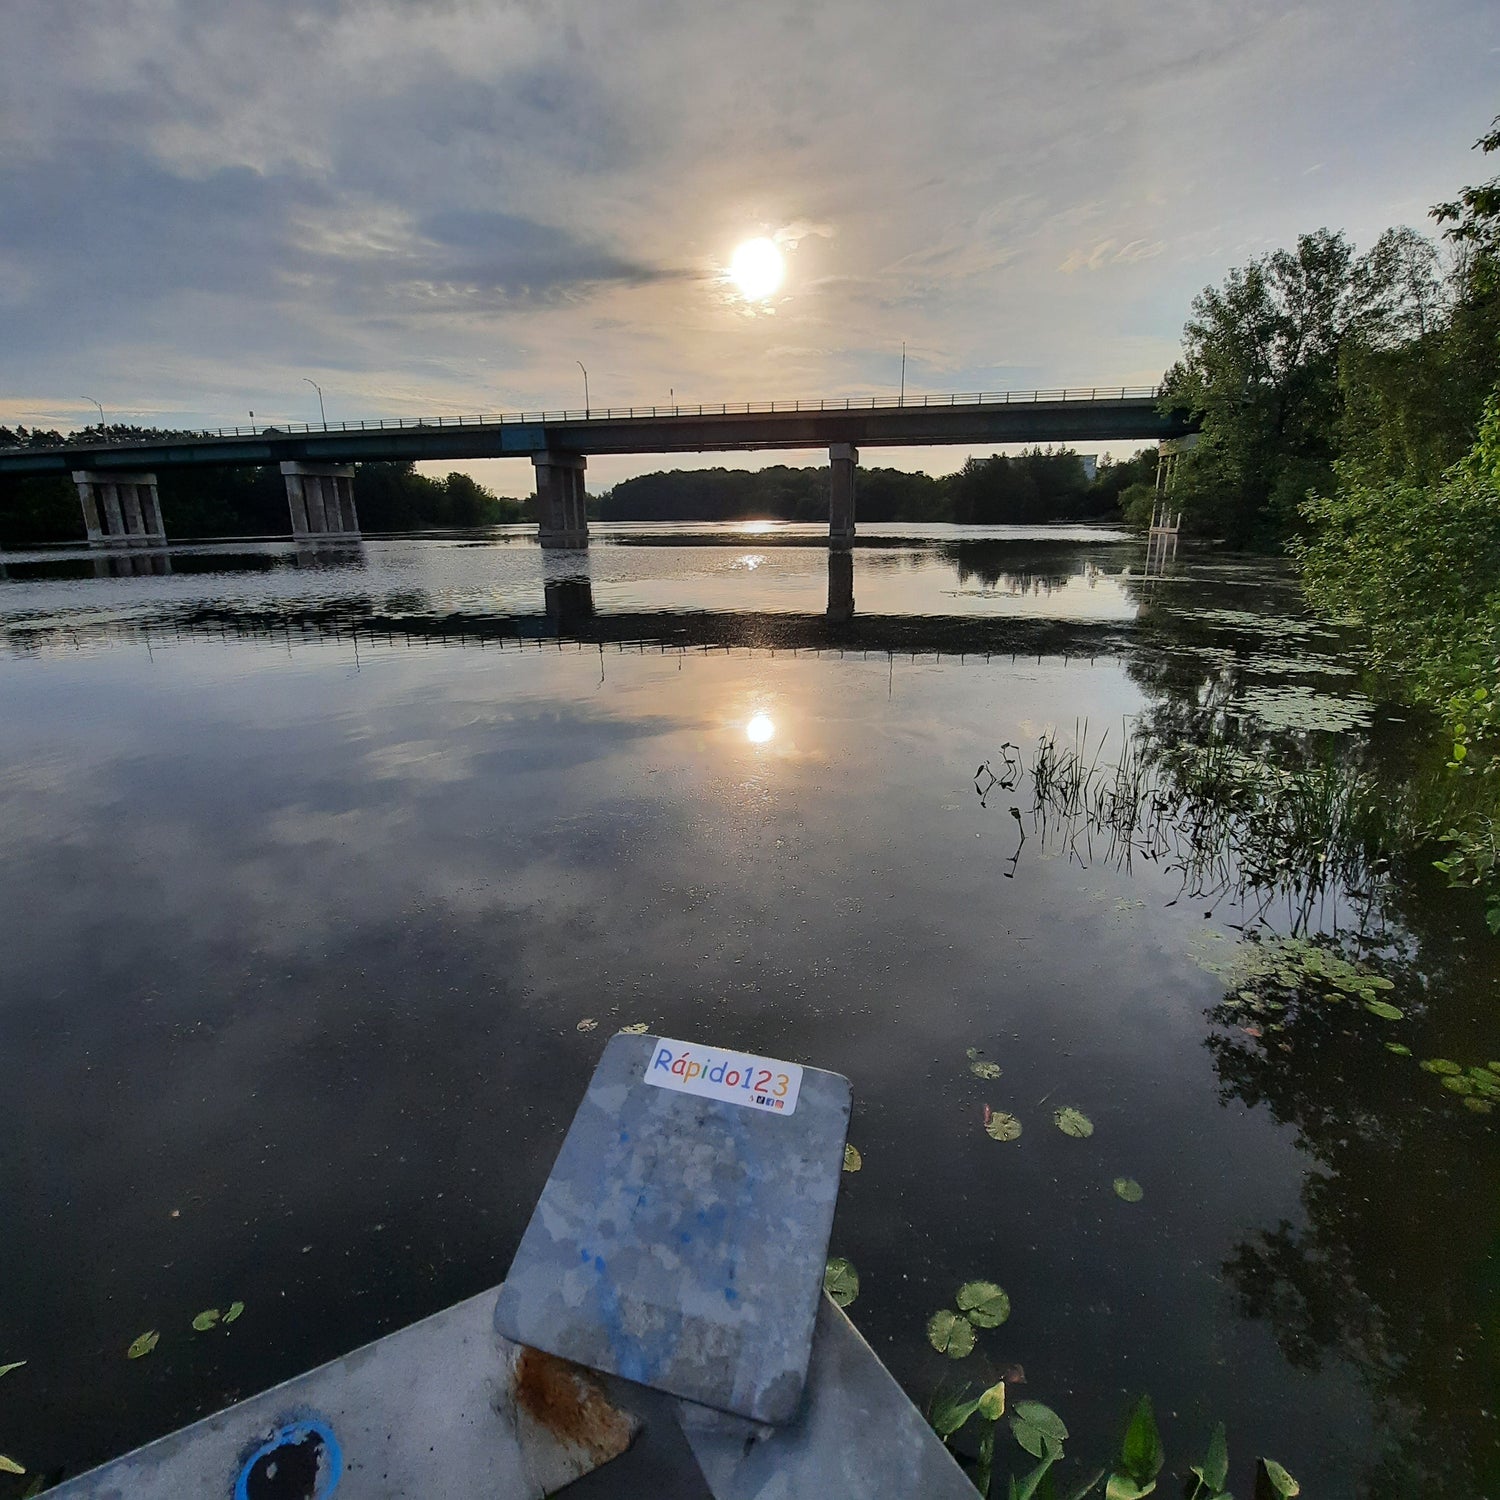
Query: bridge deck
[1087, 414]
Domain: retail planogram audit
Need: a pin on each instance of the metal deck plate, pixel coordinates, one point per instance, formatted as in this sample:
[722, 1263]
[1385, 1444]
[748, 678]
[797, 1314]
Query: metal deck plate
[680, 1240]
[855, 1437]
[444, 1407]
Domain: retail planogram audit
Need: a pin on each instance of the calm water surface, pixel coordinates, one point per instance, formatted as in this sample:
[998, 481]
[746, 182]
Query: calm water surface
[326, 875]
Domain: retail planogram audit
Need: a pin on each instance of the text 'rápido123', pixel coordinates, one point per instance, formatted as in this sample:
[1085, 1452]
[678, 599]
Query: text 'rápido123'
[735, 1077]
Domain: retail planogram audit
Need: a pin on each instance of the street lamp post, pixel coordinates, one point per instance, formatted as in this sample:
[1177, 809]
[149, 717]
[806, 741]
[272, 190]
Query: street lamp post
[586, 407]
[319, 389]
[902, 402]
[101, 411]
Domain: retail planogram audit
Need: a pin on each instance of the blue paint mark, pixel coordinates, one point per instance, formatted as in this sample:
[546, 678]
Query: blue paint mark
[686, 1239]
[730, 1295]
[599, 1263]
[325, 1452]
[637, 1357]
[584, 1256]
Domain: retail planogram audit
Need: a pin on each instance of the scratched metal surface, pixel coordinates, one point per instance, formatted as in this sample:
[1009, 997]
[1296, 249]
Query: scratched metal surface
[855, 1435]
[680, 1241]
[428, 1411]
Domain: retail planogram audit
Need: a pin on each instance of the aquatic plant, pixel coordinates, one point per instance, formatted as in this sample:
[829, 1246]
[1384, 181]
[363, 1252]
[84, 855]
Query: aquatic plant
[981, 1304]
[1231, 822]
[841, 1281]
[1133, 1474]
[9, 1465]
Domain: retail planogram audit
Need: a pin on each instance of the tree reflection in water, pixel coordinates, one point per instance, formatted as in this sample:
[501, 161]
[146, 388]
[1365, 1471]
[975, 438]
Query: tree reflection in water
[1396, 1271]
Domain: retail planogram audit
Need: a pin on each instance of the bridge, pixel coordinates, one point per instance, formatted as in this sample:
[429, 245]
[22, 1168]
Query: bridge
[117, 479]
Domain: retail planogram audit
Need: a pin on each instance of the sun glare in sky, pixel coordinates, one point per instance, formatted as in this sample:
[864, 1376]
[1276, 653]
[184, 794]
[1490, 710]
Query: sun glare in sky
[756, 269]
[759, 729]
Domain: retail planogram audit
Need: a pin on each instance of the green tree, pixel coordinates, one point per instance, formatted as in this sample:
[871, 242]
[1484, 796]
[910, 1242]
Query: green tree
[1473, 220]
[1427, 354]
[1260, 369]
[1038, 484]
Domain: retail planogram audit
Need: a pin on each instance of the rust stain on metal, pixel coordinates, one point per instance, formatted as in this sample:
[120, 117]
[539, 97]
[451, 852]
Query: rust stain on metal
[567, 1401]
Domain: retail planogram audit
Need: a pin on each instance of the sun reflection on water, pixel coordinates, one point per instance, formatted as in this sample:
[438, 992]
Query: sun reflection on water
[759, 729]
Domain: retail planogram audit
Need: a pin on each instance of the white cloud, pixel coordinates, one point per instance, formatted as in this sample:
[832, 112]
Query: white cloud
[439, 206]
[1111, 252]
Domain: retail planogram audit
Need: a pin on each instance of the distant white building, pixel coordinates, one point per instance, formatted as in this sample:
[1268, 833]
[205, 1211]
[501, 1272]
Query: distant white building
[1090, 462]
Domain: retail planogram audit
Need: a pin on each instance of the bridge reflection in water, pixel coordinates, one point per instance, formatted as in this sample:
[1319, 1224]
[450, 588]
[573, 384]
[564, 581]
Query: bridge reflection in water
[568, 613]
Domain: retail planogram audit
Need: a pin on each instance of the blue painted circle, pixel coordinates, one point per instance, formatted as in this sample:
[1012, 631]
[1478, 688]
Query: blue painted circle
[292, 1435]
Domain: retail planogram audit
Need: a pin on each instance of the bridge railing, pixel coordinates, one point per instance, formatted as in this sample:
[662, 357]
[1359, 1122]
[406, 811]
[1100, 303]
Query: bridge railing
[678, 409]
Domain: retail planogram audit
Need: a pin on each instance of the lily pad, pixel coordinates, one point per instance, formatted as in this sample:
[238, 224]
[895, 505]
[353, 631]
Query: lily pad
[636, 1028]
[15, 1364]
[983, 1303]
[143, 1345]
[1277, 1481]
[235, 1309]
[587, 1024]
[1001, 1126]
[1399, 1048]
[853, 1161]
[10, 1466]
[841, 1281]
[1478, 1105]
[1037, 1428]
[992, 1402]
[1441, 1065]
[1073, 1122]
[1129, 1189]
[950, 1333]
[979, 1067]
[1458, 1084]
[1385, 1010]
[206, 1319]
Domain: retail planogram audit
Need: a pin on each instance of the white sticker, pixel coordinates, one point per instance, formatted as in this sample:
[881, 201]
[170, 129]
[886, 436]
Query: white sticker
[736, 1077]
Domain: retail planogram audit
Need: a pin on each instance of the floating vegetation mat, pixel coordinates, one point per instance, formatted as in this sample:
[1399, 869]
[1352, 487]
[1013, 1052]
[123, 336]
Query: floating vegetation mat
[1268, 979]
[1280, 626]
[1310, 665]
[1295, 706]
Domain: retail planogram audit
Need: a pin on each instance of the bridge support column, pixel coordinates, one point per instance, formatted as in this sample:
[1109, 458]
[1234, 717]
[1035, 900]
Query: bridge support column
[843, 462]
[562, 509]
[119, 509]
[321, 499]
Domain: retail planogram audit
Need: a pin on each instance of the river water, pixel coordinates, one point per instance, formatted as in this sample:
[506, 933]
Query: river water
[325, 875]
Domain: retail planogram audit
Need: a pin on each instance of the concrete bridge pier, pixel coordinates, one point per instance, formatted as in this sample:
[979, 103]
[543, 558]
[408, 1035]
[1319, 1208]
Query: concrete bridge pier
[843, 461]
[120, 509]
[321, 499]
[562, 508]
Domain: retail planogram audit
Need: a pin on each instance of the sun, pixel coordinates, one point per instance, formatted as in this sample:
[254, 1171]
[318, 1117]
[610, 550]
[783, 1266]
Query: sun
[756, 268]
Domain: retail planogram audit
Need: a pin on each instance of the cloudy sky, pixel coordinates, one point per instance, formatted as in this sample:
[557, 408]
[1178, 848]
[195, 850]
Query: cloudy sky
[438, 206]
